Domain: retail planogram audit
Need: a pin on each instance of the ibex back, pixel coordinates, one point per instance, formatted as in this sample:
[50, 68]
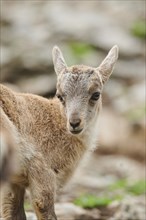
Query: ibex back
[52, 136]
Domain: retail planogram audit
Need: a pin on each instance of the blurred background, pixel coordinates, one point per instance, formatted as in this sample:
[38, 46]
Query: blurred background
[112, 186]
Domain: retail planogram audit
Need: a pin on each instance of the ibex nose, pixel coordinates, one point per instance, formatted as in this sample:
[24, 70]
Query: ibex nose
[75, 123]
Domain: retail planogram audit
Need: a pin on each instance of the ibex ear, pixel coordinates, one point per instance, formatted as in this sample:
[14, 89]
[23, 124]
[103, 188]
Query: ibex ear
[58, 60]
[107, 65]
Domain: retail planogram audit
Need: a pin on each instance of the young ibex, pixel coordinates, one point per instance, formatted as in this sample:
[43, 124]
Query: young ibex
[53, 135]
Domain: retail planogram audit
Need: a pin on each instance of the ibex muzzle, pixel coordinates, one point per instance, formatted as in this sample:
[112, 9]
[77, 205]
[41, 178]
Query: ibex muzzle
[75, 115]
[75, 123]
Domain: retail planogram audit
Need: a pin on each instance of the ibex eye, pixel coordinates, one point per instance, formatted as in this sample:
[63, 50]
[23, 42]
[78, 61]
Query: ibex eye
[95, 96]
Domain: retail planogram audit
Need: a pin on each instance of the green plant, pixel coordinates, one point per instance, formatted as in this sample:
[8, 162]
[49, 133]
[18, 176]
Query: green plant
[91, 201]
[139, 29]
[122, 183]
[80, 49]
[137, 188]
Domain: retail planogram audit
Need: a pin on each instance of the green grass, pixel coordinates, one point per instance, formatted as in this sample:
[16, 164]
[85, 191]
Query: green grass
[139, 29]
[136, 188]
[80, 49]
[91, 201]
[120, 184]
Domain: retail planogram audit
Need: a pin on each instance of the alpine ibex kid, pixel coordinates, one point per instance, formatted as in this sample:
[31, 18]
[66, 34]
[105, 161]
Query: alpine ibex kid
[52, 135]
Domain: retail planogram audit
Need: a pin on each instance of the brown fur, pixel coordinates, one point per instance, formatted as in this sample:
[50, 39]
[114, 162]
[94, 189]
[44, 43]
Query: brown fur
[48, 152]
[7, 155]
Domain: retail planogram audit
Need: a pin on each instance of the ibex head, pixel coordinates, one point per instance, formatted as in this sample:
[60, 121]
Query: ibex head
[79, 88]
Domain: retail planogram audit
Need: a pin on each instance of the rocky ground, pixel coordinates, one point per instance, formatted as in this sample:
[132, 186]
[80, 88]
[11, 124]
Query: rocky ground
[106, 188]
[85, 31]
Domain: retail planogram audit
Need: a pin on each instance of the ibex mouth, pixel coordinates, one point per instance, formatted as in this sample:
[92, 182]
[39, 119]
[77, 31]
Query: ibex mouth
[76, 131]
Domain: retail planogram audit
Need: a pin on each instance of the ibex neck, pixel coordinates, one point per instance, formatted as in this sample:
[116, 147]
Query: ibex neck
[90, 136]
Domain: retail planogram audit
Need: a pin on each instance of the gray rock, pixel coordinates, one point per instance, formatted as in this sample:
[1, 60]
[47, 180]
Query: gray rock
[128, 99]
[131, 208]
[6, 55]
[41, 84]
[31, 216]
[121, 137]
[27, 36]
[129, 46]
[131, 70]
